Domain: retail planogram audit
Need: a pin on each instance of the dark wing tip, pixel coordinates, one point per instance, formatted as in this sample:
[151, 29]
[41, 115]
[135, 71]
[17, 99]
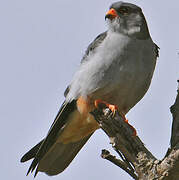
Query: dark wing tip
[43, 147]
[33, 166]
[23, 159]
[36, 171]
[31, 154]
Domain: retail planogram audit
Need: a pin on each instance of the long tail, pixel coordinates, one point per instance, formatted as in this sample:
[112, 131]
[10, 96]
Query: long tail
[51, 156]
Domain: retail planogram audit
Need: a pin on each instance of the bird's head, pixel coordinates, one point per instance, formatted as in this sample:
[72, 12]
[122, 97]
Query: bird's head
[127, 19]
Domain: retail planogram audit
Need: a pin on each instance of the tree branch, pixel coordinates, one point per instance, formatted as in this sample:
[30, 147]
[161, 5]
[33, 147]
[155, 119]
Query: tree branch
[106, 155]
[175, 125]
[136, 159]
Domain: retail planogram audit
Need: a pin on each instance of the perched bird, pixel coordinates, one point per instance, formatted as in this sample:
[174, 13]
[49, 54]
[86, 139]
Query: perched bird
[116, 69]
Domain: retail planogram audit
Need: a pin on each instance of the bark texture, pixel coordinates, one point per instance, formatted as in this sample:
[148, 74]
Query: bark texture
[135, 158]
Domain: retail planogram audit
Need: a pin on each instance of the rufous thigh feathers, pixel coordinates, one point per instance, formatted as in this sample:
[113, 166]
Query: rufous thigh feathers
[80, 124]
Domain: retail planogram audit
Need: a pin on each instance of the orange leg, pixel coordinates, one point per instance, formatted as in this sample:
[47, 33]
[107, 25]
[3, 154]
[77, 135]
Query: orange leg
[99, 103]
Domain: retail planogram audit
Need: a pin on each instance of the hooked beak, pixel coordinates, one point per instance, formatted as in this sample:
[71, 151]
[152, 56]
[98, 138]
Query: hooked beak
[111, 14]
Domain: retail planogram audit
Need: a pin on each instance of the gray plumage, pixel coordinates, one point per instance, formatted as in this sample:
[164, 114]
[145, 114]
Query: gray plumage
[117, 68]
[120, 61]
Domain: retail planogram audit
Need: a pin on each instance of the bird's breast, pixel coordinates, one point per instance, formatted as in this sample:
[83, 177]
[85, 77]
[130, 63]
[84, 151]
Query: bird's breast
[129, 74]
[119, 71]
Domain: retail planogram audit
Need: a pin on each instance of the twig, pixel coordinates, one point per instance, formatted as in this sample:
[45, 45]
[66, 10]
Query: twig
[106, 155]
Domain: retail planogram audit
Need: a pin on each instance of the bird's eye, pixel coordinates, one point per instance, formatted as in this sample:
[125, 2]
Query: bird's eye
[124, 10]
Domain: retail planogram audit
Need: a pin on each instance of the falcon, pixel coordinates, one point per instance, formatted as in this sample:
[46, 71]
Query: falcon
[116, 69]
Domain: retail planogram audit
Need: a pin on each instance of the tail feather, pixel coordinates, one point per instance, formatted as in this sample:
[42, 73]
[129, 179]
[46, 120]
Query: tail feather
[60, 157]
[40, 150]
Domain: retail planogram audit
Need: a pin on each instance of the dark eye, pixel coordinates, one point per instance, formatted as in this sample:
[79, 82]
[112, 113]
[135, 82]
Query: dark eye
[124, 10]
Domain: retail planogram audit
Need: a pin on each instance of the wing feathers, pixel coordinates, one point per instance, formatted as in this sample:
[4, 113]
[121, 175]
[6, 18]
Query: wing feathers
[60, 157]
[31, 154]
[39, 151]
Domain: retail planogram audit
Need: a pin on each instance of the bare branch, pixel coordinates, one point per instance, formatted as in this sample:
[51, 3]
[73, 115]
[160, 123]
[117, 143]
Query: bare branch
[175, 125]
[132, 151]
[106, 155]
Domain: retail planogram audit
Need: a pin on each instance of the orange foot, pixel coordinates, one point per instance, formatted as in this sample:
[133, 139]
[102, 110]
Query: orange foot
[99, 103]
